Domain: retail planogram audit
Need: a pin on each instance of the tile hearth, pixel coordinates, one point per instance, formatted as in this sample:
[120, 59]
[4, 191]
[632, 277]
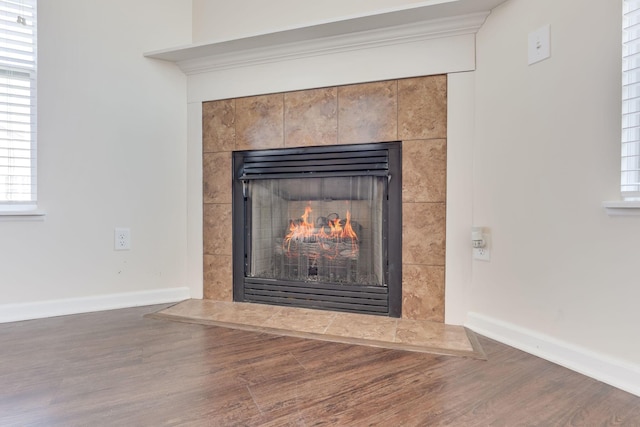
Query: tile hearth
[376, 331]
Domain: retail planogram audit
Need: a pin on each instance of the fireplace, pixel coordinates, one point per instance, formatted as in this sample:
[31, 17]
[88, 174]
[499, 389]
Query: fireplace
[412, 110]
[319, 227]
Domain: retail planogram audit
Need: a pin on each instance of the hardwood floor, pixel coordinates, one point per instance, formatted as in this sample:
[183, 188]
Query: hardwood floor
[117, 368]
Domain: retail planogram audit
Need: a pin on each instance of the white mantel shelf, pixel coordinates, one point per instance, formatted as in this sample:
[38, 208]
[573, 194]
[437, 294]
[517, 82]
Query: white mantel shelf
[622, 208]
[420, 21]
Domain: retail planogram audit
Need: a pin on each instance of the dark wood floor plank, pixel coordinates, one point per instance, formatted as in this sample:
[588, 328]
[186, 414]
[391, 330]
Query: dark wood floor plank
[118, 368]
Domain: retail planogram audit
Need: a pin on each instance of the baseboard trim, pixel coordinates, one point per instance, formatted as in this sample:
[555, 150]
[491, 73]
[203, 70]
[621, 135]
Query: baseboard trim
[616, 373]
[62, 307]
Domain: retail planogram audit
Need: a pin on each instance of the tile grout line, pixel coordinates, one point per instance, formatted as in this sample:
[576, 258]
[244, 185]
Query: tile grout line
[333, 317]
[278, 311]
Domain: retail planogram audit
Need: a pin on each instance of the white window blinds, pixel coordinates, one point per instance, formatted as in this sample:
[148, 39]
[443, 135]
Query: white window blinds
[630, 182]
[17, 102]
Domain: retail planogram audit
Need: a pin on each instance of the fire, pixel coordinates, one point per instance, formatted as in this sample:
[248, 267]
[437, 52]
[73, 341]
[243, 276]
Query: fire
[326, 235]
[300, 231]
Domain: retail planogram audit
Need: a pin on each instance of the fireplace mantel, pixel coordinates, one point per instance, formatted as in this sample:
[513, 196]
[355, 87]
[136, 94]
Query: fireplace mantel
[423, 21]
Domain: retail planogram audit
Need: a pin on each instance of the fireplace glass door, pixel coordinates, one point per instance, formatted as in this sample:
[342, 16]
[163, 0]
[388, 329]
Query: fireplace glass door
[319, 227]
[317, 230]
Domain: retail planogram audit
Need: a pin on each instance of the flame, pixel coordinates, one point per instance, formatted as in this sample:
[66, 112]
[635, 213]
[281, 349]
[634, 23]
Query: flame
[299, 232]
[348, 231]
[305, 231]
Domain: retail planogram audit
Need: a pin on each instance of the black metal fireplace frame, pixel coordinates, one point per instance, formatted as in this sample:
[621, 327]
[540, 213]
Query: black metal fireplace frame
[378, 159]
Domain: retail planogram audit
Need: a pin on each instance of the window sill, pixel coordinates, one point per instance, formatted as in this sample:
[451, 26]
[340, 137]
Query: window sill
[622, 208]
[22, 215]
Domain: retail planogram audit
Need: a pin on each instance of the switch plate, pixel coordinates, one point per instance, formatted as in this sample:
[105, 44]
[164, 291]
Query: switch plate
[122, 239]
[539, 44]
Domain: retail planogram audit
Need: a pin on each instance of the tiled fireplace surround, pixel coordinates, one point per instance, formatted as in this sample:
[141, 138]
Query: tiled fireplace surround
[412, 110]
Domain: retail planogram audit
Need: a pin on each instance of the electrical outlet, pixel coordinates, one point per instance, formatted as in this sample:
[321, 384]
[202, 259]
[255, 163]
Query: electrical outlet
[122, 239]
[481, 242]
[482, 254]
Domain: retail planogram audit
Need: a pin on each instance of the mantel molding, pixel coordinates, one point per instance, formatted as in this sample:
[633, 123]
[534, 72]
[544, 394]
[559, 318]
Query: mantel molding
[622, 208]
[383, 29]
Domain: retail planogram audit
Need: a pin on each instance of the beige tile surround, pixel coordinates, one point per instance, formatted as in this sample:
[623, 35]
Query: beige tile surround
[410, 110]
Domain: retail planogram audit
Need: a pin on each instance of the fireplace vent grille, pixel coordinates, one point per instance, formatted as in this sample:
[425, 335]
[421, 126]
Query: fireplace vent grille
[357, 299]
[365, 159]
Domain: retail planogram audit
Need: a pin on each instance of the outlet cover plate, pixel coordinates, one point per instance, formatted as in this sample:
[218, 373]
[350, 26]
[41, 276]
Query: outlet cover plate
[122, 239]
[482, 254]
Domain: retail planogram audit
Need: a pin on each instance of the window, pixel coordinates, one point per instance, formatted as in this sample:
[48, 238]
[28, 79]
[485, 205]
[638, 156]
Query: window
[17, 104]
[630, 179]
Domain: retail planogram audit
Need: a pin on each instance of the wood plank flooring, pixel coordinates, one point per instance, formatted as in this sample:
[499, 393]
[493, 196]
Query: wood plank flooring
[117, 368]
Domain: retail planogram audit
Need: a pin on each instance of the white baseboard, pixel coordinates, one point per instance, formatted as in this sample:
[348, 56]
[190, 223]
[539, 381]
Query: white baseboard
[619, 374]
[62, 307]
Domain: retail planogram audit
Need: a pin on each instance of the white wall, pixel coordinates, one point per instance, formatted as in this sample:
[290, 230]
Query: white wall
[239, 18]
[112, 152]
[546, 155]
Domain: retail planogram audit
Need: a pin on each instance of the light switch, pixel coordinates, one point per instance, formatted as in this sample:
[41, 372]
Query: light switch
[539, 44]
